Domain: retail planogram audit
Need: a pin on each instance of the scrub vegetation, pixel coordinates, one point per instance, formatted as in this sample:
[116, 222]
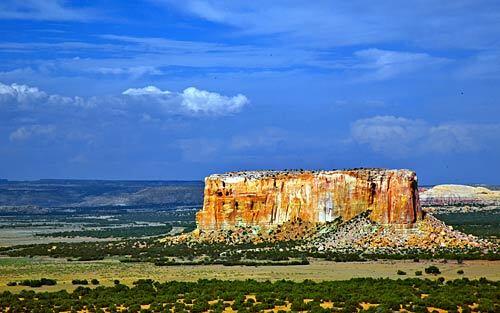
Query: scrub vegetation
[364, 294]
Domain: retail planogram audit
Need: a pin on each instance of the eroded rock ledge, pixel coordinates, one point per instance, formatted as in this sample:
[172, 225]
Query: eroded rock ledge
[267, 198]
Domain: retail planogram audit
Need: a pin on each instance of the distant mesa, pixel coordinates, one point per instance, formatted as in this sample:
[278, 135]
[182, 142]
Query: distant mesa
[270, 198]
[459, 195]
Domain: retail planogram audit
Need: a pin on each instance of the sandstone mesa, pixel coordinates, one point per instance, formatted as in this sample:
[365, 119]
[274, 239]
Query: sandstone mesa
[339, 210]
[267, 198]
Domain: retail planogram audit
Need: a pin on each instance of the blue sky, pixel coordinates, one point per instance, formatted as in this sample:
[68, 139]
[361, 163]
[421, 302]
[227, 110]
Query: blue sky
[180, 89]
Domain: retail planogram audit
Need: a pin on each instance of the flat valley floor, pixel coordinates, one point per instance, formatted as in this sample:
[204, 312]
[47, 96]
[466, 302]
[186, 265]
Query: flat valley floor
[16, 269]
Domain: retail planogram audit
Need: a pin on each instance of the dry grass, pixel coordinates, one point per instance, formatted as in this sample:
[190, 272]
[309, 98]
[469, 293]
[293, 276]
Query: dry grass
[15, 269]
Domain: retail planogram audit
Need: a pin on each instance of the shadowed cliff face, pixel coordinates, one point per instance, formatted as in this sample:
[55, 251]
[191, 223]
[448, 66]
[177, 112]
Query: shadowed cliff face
[269, 198]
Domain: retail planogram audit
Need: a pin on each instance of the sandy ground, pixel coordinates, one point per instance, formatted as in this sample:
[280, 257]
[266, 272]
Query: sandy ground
[15, 269]
[26, 235]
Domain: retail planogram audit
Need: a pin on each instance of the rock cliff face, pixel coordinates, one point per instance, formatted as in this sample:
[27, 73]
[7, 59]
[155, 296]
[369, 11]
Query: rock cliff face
[267, 198]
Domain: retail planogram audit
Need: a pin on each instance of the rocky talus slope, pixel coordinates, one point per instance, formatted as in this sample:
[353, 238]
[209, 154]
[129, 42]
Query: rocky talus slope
[430, 233]
[358, 234]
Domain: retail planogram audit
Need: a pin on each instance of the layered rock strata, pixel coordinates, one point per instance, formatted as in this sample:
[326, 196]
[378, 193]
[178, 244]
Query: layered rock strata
[459, 195]
[267, 198]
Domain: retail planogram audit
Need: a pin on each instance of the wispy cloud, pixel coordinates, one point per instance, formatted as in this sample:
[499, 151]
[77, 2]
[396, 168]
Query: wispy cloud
[385, 64]
[26, 132]
[133, 71]
[48, 10]
[267, 138]
[146, 57]
[485, 65]
[124, 55]
[199, 150]
[400, 137]
[334, 23]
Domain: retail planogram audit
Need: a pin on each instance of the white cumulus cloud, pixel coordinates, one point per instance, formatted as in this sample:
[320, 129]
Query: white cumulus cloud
[146, 91]
[191, 101]
[196, 100]
[22, 94]
[151, 99]
[18, 94]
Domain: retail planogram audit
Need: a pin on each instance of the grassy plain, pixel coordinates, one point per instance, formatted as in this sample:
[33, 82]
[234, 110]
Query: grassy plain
[16, 269]
[26, 229]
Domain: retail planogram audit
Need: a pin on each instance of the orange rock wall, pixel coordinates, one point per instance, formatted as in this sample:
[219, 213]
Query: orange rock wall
[273, 197]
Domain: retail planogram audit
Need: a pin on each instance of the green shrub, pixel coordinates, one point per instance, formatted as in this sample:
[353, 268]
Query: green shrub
[400, 272]
[38, 282]
[391, 295]
[486, 305]
[434, 270]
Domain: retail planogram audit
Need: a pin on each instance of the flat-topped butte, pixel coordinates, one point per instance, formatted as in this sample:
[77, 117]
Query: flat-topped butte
[256, 174]
[267, 198]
